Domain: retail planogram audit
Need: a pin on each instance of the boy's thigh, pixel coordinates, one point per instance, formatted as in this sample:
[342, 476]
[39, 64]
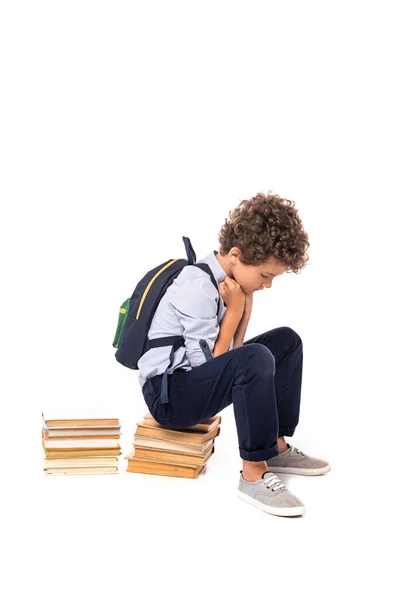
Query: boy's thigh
[202, 392]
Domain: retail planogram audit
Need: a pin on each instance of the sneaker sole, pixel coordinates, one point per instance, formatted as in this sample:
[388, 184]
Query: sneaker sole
[289, 511]
[300, 471]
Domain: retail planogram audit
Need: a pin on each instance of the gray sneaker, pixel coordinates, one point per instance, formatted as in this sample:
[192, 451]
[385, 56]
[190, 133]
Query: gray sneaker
[270, 495]
[296, 462]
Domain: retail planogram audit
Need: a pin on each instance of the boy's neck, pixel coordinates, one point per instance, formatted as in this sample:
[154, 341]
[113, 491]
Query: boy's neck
[225, 264]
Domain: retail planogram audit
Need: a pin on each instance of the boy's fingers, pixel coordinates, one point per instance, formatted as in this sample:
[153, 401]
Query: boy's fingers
[231, 283]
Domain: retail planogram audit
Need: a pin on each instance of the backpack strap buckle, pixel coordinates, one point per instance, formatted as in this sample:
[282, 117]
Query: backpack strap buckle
[177, 341]
[164, 384]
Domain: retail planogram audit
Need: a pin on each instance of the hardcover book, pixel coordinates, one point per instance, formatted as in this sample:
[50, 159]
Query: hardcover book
[80, 422]
[195, 438]
[88, 461]
[156, 467]
[83, 452]
[173, 457]
[114, 432]
[203, 427]
[80, 470]
[170, 445]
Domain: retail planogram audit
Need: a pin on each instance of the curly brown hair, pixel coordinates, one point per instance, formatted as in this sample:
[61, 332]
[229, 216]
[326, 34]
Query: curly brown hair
[266, 226]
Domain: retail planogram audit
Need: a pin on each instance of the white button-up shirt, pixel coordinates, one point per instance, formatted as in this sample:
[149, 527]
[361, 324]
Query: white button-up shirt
[189, 309]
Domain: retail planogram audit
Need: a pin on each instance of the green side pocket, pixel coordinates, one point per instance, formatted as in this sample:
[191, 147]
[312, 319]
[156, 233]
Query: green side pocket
[123, 313]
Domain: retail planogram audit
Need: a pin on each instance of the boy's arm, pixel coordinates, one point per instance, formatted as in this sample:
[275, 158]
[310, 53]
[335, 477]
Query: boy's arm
[196, 308]
[227, 330]
[242, 327]
[238, 338]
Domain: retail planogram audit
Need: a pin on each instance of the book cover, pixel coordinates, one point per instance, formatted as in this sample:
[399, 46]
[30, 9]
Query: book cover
[87, 422]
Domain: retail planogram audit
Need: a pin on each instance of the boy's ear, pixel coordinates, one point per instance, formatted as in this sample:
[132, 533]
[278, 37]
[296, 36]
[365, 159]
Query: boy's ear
[236, 252]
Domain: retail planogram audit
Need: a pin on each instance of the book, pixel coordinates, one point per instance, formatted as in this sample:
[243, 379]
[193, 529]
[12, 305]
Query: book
[89, 461]
[84, 452]
[165, 456]
[80, 422]
[170, 445]
[80, 470]
[195, 438]
[157, 467]
[79, 437]
[205, 426]
[80, 443]
[114, 432]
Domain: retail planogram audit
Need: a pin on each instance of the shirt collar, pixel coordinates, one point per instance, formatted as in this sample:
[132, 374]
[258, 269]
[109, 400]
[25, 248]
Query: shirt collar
[216, 268]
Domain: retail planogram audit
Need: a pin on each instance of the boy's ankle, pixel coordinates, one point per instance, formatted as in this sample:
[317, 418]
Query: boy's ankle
[253, 471]
[282, 445]
[253, 477]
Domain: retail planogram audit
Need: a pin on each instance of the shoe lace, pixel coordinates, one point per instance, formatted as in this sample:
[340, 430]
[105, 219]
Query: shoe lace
[273, 483]
[294, 449]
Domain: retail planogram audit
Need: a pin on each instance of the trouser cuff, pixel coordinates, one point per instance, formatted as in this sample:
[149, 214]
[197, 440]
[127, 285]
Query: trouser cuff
[288, 432]
[257, 455]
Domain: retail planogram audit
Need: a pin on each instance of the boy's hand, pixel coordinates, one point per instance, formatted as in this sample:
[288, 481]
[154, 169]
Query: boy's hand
[233, 295]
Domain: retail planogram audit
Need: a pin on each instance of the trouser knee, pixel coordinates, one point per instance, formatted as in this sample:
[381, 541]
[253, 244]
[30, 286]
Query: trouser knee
[258, 357]
[292, 338]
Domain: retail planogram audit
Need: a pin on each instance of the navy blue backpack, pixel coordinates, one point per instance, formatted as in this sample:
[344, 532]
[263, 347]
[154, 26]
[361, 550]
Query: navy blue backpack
[136, 313]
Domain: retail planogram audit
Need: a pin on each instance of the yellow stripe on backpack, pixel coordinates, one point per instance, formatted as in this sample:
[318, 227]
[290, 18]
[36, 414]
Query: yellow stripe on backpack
[146, 291]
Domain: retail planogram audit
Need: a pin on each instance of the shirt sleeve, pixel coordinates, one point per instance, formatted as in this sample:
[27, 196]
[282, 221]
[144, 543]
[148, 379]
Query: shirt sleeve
[195, 304]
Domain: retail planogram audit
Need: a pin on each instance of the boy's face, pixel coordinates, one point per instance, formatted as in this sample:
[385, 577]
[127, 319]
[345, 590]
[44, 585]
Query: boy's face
[253, 278]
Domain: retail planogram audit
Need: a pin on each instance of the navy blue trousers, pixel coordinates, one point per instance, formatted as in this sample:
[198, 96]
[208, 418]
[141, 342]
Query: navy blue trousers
[262, 379]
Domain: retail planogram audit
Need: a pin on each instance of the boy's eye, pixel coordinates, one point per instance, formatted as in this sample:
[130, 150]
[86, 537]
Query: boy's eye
[265, 276]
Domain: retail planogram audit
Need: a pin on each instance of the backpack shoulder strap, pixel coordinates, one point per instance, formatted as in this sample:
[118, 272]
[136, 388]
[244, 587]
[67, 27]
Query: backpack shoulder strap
[207, 270]
[191, 255]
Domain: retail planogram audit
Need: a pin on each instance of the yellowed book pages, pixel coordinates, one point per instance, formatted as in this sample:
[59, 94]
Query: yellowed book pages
[93, 443]
[59, 432]
[165, 456]
[194, 438]
[57, 453]
[89, 461]
[77, 436]
[154, 467]
[80, 470]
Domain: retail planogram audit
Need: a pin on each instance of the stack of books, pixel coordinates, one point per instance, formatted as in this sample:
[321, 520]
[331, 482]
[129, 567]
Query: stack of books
[177, 453]
[80, 446]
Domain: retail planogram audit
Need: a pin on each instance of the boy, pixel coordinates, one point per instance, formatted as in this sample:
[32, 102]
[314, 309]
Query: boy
[263, 239]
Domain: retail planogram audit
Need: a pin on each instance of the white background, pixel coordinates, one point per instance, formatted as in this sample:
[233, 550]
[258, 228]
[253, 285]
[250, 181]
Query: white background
[124, 126]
